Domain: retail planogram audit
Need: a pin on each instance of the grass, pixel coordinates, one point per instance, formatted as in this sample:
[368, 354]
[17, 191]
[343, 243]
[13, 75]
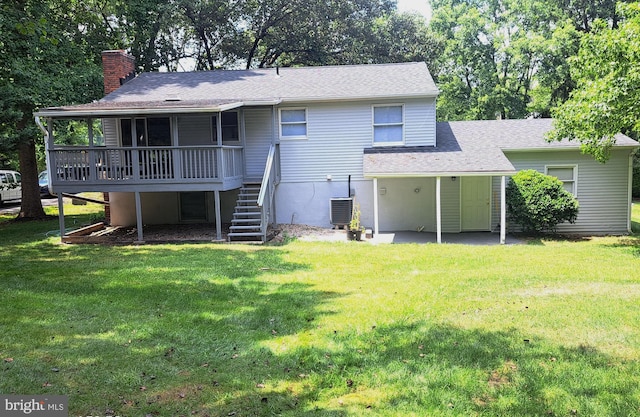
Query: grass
[306, 328]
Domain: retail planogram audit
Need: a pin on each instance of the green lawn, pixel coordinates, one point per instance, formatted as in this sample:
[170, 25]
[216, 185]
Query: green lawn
[322, 329]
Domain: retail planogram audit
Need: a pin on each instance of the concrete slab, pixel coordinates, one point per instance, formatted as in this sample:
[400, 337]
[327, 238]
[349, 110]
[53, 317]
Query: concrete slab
[469, 238]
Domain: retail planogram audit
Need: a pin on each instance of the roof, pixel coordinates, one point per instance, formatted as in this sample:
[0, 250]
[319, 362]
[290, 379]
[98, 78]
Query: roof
[164, 92]
[470, 148]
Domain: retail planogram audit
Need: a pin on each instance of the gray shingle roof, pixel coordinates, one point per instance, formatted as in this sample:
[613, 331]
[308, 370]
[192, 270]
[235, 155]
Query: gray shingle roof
[469, 147]
[213, 89]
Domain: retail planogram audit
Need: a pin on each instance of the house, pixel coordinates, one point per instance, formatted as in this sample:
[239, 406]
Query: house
[298, 145]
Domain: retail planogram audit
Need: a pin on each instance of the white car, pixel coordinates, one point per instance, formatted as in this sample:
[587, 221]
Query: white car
[10, 186]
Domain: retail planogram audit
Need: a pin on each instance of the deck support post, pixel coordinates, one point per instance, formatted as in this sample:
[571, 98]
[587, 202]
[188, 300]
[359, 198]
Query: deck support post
[438, 211]
[503, 210]
[139, 217]
[61, 216]
[216, 195]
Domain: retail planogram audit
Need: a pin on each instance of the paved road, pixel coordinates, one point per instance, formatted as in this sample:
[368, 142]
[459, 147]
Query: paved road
[13, 207]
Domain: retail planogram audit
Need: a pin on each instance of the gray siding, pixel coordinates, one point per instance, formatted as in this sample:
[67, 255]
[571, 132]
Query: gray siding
[337, 133]
[450, 208]
[258, 131]
[602, 189]
[110, 132]
[195, 130]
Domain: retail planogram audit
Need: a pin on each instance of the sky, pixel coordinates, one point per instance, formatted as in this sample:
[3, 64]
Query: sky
[420, 6]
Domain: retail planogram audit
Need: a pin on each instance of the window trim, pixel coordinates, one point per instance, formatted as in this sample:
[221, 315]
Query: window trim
[374, 125]
[305, 123]
[574, 179]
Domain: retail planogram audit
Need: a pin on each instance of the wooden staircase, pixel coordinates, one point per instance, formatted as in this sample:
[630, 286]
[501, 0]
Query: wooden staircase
[246, 225]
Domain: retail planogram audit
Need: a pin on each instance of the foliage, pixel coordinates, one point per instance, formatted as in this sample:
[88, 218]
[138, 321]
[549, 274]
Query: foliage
[354, 224]
[507, 59]
[607, 95]
[439, 330]
[46, 62]
[537, 202]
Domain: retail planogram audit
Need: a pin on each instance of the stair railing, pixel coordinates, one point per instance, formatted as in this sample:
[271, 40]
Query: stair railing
[270, 179]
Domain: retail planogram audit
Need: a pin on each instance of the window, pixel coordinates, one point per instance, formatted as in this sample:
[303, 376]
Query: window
[153, 131]
[388, 125]
[293, 123]
[566, 174]
[230, 127]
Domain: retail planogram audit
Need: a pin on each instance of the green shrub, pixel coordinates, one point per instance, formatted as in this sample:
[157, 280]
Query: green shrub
[538, 203]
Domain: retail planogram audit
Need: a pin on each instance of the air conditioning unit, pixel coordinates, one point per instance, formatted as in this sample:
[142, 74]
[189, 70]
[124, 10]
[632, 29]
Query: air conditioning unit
[341, 209]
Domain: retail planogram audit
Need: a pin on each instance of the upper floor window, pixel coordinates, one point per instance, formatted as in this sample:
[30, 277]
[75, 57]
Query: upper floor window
[567, 174]
[293, 123]
[388, 125]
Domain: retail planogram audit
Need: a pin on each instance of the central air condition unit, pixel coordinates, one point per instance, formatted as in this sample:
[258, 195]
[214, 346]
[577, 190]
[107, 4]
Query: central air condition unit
[341, 209]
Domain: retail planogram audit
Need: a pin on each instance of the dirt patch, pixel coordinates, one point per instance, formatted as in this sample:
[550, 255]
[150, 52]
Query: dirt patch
[183, 233]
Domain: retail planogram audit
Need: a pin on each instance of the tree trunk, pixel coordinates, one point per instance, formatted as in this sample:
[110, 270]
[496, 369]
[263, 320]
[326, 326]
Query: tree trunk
[31, 207]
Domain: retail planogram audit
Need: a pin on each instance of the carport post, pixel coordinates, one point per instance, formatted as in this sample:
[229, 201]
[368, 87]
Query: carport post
[503, 210]
[438, 212]
[375, 206]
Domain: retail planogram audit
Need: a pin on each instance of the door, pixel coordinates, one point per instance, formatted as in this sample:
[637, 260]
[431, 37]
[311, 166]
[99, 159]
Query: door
[476, 204]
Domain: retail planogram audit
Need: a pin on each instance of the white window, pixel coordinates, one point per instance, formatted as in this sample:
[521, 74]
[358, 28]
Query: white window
[293, 123]
[388, 125]
[568, 174]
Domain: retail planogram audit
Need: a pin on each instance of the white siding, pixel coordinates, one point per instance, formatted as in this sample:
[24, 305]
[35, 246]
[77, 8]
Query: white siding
[337, 133]
[602, 188]
[407, 204]
[258, 129]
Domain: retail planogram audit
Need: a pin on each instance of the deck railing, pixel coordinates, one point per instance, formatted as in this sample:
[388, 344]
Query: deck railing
[270, 179]
[180, 164]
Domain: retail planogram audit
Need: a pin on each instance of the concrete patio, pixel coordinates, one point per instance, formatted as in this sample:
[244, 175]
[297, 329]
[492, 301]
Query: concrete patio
[469, 238]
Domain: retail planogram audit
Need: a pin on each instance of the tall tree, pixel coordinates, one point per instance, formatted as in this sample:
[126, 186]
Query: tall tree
[45, 63]
[607, 95]
[507, 58]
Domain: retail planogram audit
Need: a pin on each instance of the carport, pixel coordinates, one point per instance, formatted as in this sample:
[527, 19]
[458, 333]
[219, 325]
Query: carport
[451, 161]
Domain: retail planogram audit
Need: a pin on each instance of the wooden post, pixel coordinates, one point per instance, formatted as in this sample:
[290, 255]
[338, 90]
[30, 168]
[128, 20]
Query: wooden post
[503, 210]
[139, 217]
[438, 212]
[61, 215]
[216, 195]
[376, 211]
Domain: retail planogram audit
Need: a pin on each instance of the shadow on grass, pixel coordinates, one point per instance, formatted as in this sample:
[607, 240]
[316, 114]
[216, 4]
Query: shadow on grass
[112, 321]
[426, 369]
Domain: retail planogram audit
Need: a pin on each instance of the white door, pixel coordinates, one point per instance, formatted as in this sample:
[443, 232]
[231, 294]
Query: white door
[476, 204]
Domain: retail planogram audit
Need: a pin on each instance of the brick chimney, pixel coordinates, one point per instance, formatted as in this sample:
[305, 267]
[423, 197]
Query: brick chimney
[118, 67]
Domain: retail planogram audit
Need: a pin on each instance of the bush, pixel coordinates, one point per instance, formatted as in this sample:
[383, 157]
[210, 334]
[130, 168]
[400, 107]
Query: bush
[538, 203]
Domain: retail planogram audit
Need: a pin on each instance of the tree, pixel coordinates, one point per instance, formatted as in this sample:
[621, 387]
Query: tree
[538, 203]
[45, 63]
[607, 95]
[507, 58]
